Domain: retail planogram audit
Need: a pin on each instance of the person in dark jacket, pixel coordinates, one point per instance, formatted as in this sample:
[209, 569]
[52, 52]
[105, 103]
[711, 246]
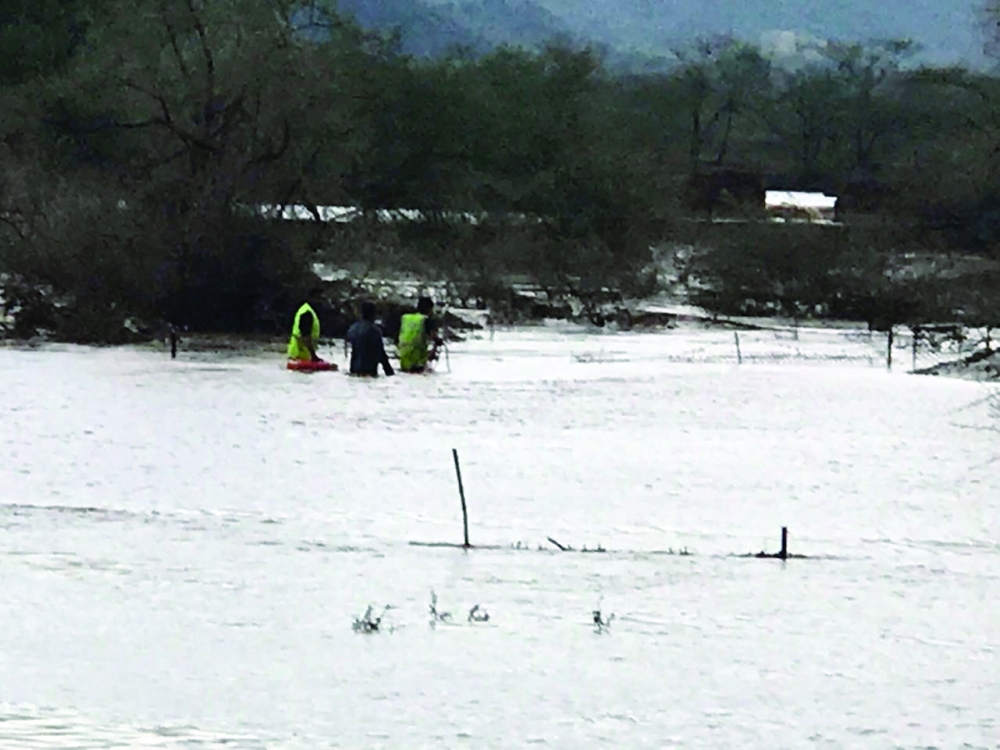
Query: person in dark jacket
[367, 347]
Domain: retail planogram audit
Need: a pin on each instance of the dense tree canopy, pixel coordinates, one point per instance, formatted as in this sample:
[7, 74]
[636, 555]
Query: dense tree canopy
[138, 138]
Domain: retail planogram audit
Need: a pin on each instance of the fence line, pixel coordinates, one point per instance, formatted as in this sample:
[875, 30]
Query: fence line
[901, 349]
[781, 554]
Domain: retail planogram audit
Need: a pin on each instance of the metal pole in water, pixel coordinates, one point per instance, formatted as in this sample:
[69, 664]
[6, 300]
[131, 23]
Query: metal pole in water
[784, 543]
[461, 494]
[739, 356]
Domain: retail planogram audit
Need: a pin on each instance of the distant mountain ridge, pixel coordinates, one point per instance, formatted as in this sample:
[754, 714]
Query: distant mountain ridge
[432, 29]
[947, 31]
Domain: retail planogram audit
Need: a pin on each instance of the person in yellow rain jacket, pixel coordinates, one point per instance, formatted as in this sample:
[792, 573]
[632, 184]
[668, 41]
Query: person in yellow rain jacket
[417, 343]
[305, 334]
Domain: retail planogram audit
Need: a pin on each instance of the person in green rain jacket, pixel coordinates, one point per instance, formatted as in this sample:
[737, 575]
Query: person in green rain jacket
[305, 335]
[418, 342]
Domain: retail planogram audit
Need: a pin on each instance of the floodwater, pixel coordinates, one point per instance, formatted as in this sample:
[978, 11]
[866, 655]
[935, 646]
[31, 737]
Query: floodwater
[185, 544]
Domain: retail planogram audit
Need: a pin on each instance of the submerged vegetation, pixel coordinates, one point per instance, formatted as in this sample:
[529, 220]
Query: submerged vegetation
[138, 139]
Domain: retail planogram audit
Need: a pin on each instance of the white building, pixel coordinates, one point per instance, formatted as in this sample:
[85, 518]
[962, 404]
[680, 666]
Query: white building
[786, 205]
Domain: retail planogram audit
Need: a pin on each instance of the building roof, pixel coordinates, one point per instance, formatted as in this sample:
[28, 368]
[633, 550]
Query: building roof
[789, 198]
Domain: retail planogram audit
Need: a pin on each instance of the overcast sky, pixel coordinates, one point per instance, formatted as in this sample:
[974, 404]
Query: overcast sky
[947, 29]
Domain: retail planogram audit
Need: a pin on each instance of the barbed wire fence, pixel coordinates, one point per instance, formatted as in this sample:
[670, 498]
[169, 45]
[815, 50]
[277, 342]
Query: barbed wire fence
[944, 350]
[919, 350]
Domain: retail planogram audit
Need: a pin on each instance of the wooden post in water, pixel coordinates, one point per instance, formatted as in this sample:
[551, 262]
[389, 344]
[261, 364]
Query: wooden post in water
[888, 354]
[739, 355]
[784, 543]
[461, 494]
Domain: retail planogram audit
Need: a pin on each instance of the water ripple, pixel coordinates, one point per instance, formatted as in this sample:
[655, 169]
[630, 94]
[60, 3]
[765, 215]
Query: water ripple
[184, 546]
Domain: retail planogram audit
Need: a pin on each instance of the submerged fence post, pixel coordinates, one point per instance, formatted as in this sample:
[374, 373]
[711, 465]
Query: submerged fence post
[784, 543]
[739, 355]
[888, 354]
[461, 494]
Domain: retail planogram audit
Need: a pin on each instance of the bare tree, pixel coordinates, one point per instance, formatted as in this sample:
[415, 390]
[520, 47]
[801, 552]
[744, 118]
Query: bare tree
[864, 72]
[719, 79]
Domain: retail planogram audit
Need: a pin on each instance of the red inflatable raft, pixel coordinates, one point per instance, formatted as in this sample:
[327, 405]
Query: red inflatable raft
[304, 365]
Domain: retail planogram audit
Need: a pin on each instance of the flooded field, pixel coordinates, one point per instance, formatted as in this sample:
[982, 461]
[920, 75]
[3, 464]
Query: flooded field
[185, 544]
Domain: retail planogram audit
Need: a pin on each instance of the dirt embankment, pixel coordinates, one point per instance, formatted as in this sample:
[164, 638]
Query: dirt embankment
[983, 366]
